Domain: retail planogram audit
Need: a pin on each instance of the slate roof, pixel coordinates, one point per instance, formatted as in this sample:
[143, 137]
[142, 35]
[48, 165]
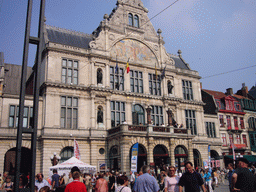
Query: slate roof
[179, 63]
[67, 37]
[12, 78]
[252, 92]
[215, 94]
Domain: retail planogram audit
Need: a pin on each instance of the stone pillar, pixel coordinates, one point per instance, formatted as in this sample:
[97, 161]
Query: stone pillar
[107, 76]
[190, 151]
[148, 109]
[150, 155]
[108, 115]
[125, 157]
[93, 116]
[171, 153]
[170, 115]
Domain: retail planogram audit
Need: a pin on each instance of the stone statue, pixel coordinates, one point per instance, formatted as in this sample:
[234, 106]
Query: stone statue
[99, 77]
[170, 87]
[100, 116]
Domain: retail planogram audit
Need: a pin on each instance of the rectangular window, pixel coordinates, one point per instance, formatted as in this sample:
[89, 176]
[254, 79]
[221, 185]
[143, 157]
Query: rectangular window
[187, 90]
[69, 112]
[242, 122]
[221, 121]
[244, 140]
[157, 115]
[236, 123]
[117, 78]
[210, 129]
[224, 140]
[136, 81]
[231, 139]
[69, 72]
[191, 121]
[117, 113]
[238, 139]
[228, 122]
[14, 116]
[253, 140]
[154, 84]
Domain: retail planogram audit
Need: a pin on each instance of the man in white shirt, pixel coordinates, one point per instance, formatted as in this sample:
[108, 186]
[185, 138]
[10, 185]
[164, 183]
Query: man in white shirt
[41, 182]
[132, 179]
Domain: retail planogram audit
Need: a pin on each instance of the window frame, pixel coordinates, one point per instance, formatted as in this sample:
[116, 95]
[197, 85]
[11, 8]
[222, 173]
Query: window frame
[187, 90]
[118, 116]
[14, 118]
[190, 116]
[65, 77]
[154, 84]
[157, 116]
[70, 117]
[210, 129]
[136, 81]
[224, 139]
[117, 78]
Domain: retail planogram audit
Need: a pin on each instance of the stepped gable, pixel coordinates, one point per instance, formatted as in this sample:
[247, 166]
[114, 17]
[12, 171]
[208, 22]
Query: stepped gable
[68, 37]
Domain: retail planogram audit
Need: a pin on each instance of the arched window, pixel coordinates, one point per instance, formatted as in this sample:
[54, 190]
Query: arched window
[130, 18]
[252, 123]
[66, 153]
[99, 76]
[100, 115]
[138, 117]
[136, 21]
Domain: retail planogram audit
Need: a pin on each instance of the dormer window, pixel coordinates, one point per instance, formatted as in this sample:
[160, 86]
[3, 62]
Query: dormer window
[133, 20]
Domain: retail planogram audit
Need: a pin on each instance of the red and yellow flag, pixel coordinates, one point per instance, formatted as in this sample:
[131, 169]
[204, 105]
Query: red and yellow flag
[127, 66]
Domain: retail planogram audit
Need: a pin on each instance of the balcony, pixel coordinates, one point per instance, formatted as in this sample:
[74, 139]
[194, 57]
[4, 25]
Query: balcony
[148, 129]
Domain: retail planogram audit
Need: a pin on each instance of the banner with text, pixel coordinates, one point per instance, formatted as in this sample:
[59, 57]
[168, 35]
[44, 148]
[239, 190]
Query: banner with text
[134, 158]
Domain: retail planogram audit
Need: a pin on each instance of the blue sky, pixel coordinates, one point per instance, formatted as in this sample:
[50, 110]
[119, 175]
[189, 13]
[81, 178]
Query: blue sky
[214, 36]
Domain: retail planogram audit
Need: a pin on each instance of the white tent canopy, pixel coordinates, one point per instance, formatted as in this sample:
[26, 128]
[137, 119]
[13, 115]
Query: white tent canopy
[66, 166]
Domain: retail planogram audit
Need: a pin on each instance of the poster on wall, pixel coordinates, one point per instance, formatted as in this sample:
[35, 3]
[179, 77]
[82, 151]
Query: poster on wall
[134, 157]
[102, 166]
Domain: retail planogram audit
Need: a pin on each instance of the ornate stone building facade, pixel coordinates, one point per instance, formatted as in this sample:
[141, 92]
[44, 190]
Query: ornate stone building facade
[111, 89]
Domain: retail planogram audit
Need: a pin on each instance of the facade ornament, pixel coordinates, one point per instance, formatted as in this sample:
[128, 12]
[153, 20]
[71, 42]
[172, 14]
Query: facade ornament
[148, 109]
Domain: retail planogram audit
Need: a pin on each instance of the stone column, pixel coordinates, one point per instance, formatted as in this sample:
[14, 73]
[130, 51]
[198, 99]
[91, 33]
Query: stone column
[93, 117]
[108, 115]
[125, 157]
[148, 109]
[171, 153]
[107, 76]
[170, 114]
[190, 151]
[150, 155]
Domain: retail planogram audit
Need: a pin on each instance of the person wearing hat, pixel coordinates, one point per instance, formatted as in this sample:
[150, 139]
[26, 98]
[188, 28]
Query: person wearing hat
[242, 179]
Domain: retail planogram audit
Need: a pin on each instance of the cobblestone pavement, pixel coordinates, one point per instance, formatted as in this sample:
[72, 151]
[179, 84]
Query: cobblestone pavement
[222, 187]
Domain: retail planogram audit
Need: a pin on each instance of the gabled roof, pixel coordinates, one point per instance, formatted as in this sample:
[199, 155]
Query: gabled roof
[252, 92]
[239, 96]
[216, 94]
[67, 37]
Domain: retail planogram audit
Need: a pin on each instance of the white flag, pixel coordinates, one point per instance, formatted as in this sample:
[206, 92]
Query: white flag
[76, 150]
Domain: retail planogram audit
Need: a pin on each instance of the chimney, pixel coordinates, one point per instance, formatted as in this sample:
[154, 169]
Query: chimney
[229, 91]
[244, 90]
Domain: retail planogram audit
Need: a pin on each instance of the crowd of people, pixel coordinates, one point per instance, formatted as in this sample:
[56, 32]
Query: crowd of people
[161, 179]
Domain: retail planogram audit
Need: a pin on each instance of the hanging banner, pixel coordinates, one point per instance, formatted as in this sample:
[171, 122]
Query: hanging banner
[134, 158]
[76, 150]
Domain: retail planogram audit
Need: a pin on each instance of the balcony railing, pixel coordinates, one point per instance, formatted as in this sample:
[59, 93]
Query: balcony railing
[147, 129]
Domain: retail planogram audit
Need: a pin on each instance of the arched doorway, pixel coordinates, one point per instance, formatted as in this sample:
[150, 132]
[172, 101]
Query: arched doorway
[197, 158]
[181, 156]
[114, 158]
[215, 158]
[25, 162]
[161, 156]
[138, 116]
[142, 157]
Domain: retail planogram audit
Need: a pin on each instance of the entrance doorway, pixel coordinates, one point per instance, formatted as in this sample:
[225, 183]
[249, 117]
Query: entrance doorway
[181, 156]
[197, 158]
[114, 158]
[142, 157]
[25, 162]
[161, 156]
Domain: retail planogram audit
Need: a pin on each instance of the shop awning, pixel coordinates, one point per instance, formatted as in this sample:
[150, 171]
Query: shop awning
[250, 158]
[240, 146]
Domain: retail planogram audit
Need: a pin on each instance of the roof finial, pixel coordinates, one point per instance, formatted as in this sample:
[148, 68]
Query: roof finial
[179, 52]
